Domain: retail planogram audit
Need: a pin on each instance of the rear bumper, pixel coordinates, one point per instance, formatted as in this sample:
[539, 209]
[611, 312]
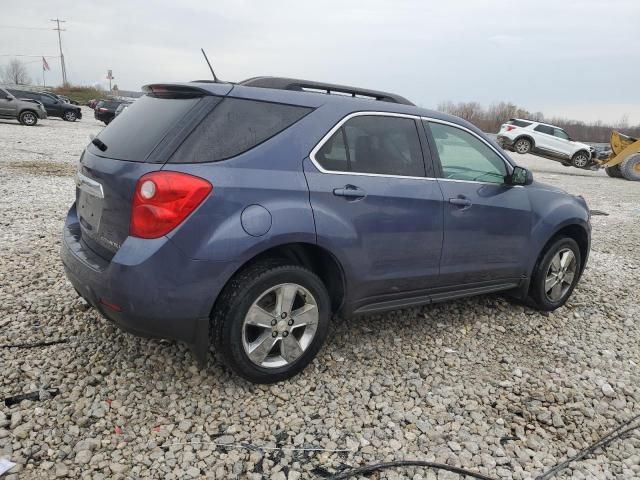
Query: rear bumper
[149, 288]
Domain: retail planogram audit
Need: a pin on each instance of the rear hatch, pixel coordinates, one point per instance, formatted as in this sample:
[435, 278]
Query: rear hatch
[131, 146]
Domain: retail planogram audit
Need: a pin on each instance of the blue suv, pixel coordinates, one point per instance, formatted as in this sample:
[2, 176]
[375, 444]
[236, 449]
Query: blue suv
[246, 215]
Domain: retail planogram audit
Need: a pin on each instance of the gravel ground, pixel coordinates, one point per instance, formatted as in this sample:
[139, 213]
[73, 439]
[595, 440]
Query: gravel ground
[480, 383]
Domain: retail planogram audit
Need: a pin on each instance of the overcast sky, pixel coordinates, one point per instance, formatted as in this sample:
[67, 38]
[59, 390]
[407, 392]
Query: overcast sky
[577, 59]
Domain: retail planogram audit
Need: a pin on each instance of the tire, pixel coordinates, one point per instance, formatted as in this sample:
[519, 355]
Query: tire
[522, 145]
[28, 118]
[580, 159]
[70, 116]
[544, 291]
[613, 172]
[258, 353]
[630, 167]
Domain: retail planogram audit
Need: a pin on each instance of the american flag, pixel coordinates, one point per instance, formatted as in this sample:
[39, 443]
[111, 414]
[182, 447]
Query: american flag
[45, 65]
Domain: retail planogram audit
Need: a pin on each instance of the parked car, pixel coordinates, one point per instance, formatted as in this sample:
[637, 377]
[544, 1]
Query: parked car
[27, 112]
[251, 213]
[527, 136]
[66, 99]
[54, 106]
[105, 110]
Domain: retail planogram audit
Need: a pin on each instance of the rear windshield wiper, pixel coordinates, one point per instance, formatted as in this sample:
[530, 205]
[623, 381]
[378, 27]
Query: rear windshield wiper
[100, 144]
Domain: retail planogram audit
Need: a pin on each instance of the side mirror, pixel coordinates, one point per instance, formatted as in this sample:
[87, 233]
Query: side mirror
[10, 97]
[520, 176]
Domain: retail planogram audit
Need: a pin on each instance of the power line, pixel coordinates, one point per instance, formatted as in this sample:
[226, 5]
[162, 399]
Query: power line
[16, 55]
[64, 69]
[23, 28]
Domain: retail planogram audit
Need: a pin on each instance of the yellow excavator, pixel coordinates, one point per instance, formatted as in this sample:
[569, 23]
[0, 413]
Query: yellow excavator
[624, 160]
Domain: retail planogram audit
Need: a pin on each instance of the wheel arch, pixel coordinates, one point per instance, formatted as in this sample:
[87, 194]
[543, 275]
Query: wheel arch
[527, 136]
[574, 231]
[317, 259]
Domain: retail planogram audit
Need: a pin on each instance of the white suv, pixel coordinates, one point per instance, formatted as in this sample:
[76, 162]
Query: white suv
[527, 136]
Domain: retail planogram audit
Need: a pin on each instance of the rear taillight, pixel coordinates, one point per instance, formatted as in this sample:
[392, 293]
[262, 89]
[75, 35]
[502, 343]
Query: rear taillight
[102, 109]
[162, 200]
[510, 127]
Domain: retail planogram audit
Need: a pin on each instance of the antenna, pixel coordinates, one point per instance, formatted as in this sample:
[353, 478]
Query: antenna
[215, 79]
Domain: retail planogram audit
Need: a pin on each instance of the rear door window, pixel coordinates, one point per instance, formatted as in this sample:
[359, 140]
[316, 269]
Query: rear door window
[544, 129]
[374, 144]
[133, 136]
[234, 127]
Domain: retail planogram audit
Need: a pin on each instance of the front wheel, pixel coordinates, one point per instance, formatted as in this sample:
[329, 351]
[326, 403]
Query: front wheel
[28, 118]
[630, 167]
[271, 321]
[556, 274]
[70, 116]
[580, 159]
[522, 145]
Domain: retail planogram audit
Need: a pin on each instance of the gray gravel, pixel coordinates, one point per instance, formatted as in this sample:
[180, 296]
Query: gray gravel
[480, 383]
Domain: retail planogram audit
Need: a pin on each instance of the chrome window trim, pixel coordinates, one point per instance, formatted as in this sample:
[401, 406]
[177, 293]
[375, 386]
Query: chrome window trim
[341, 122]
[508, 164]
[337, 126]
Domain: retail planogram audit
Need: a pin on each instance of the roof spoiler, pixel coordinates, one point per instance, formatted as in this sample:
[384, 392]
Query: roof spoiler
[168, 90]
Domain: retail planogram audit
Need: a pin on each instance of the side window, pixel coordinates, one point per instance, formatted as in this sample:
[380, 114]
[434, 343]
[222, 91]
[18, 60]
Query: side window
[374, 144]
[558, 132]
[544, 129]
[46, 99]
[235, 126]
[465, 157]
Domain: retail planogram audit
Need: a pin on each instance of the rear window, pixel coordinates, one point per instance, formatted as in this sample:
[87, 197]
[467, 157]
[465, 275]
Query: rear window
[518, 123]
[235, 126]
[133, 136]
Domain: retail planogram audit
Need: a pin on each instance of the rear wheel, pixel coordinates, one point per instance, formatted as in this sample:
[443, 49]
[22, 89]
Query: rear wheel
[271, 321]
[630, 167]
[522, 145]
[580, 159]
[614, 171]
[556, 274]
[28, 118]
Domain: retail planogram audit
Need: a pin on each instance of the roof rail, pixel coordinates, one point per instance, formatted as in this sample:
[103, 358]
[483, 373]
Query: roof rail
[320, 87]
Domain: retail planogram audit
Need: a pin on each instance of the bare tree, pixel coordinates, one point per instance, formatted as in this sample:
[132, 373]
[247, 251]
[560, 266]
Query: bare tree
[15, 73]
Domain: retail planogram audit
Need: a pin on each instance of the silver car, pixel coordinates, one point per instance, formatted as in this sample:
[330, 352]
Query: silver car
[27, 112]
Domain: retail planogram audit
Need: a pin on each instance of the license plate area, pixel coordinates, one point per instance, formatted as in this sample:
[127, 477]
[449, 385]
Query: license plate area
[89, 211]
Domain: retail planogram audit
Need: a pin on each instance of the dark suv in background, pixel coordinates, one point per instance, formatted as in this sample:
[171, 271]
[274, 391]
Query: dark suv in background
[105, 110]
[247, 214]
[53, 105]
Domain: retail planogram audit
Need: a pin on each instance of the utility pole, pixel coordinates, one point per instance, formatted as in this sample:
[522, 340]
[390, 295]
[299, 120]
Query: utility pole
[62, 65]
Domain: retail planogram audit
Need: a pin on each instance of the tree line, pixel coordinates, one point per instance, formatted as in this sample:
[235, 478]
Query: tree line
[491, 118]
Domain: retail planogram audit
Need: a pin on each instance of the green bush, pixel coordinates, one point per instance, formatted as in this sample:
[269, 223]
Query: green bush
[81, 94]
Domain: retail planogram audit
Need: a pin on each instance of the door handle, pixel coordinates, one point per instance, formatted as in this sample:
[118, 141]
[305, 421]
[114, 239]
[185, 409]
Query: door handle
[461, 202]
[349, 191]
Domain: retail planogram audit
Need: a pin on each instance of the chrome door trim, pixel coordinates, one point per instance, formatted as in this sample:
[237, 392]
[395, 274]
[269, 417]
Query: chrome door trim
[341, 122]
[88, 185]
[337, 126]
[508, 164]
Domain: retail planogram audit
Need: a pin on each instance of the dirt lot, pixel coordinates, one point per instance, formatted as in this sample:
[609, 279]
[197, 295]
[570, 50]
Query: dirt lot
[480, 383]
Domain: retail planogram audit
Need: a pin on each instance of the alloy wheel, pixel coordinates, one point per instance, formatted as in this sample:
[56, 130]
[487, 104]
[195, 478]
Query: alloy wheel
[280, 325]
[580, 161]
[522, 146]
[560, 275]
[29, 118]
